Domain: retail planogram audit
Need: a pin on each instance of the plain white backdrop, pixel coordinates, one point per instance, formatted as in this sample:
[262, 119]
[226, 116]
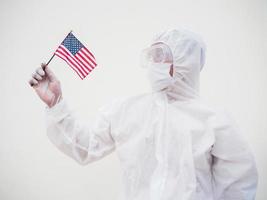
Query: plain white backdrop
[235, 77]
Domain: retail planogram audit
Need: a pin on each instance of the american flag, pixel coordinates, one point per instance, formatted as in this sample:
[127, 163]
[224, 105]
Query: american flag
[78, 57]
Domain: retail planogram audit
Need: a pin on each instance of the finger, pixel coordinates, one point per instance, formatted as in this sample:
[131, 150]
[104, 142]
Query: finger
[43, 65]
[40, 71]
[37, 77]
[50, 74]
[33, 82]
[30, 82]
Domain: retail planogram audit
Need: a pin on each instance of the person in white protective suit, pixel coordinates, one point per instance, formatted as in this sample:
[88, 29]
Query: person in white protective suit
[171, 144]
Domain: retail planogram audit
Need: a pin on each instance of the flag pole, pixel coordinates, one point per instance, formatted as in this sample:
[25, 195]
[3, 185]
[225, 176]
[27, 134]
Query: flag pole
[50, 60]
[43, 66]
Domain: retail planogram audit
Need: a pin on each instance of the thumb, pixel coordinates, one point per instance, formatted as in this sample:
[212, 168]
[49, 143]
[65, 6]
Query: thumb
[51, 76]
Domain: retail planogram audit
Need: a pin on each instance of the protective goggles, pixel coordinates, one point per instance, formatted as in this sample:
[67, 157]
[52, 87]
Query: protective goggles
[157, 53]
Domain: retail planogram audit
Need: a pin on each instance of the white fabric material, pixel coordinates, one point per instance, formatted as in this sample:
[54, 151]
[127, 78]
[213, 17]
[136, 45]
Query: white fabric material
[170, 143]
[188, 51]
[156, 53]
[159, 76]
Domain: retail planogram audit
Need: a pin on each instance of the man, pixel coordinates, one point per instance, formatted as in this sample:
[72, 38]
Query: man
[171, 144]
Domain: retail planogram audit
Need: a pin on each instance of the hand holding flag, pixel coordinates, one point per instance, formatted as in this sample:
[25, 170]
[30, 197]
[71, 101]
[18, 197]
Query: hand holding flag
[77, 56]
[46, 85]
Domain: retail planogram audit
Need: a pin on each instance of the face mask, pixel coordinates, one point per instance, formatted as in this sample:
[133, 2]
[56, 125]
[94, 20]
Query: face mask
[159, 77]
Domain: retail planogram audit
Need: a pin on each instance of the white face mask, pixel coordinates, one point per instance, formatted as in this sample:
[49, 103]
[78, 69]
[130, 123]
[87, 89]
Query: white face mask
[159, 76]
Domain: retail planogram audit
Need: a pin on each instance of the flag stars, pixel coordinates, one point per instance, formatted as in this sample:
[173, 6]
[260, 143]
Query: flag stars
[72, 44]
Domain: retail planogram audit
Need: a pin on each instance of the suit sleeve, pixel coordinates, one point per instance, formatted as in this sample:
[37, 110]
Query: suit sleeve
[234, 169]
[84, 142]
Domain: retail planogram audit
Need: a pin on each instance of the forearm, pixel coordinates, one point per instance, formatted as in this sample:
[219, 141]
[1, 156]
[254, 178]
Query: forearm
[63, 130]
[84, 143]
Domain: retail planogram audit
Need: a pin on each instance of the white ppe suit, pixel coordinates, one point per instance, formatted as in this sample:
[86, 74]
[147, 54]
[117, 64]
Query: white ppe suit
[171, 145]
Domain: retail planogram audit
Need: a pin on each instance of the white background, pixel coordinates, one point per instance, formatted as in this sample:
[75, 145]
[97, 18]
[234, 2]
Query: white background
[235, 77]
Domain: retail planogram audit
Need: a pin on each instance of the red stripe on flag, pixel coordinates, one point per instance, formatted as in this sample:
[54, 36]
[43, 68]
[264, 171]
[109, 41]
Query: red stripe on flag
[81, 61]
[73, 64]
[89, 52]
[84, 59]
[74, 59]
[78, 61]
[85, 53]
[63, 57]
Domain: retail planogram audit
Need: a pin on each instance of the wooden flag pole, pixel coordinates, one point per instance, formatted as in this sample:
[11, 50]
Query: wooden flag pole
[50, 60]
[43, 66]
